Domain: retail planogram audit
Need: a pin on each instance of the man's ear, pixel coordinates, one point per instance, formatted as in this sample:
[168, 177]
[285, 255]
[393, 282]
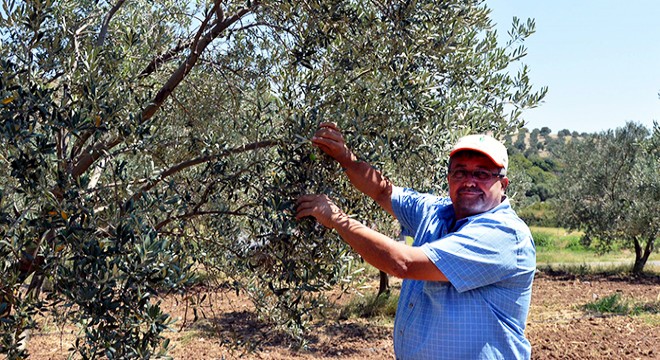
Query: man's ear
[505, 183]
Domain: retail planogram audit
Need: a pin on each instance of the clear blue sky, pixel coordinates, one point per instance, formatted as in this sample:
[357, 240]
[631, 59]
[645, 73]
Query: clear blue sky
[599, 58]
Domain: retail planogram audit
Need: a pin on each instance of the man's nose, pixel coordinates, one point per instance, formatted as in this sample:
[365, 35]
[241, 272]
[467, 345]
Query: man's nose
[470, 178]
[469, 181]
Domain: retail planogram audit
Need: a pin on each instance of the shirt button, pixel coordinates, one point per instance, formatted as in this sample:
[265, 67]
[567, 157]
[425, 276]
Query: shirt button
[410, 305]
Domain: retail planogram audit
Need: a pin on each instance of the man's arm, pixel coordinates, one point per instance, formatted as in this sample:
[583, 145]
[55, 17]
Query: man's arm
[382, 252]
[362, 175]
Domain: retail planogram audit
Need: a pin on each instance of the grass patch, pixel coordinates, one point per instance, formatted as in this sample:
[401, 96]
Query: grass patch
[648, 308]
[651, 319]
[610, 304]
[583, 269]
[371, 306]
[557, 239]
[615, 304]
[190, 336]
[558, 246]
[554, 231]
[565, 256]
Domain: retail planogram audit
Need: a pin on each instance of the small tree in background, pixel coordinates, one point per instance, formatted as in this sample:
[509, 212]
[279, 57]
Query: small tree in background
[545, 131]
[610, 189]
[142, 140]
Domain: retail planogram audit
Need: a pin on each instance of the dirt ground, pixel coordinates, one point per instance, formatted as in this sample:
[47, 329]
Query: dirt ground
[558, 327]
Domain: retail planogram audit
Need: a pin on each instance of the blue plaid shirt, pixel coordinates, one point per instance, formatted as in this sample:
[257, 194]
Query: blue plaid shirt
[489, 259]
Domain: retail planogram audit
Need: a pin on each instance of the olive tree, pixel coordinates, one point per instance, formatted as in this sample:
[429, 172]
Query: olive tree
[610, 189]
[144, 141]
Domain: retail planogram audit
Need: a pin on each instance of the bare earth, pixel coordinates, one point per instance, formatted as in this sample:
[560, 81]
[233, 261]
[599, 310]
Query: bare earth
[558, 327]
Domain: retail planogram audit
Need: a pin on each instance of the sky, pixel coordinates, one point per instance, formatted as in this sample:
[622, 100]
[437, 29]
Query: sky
[599, 58]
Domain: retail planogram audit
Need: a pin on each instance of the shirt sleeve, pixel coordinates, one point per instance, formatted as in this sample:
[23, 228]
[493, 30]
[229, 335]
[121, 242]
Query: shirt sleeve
[482, 252]
[409, 207]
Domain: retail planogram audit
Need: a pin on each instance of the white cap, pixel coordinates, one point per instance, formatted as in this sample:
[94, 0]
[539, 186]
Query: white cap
[486, 145]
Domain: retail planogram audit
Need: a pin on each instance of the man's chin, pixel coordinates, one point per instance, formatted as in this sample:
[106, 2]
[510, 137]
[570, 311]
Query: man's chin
[472, 208]
[466, 196]
[470, 199]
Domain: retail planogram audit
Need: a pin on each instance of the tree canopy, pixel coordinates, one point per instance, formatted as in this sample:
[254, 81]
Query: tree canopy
[610, 189]
[145, 141]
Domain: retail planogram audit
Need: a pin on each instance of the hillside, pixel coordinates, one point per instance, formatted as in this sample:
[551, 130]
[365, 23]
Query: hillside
[541, 142]
[535, 166]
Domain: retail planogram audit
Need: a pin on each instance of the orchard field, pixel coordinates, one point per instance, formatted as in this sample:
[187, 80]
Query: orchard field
[572, 317]
[581, 309]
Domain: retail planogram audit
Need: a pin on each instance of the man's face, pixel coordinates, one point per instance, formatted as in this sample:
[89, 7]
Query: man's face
[470, 195]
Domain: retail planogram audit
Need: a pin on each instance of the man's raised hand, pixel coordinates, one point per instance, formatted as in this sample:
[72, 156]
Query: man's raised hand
[321, 208]
[330, 140]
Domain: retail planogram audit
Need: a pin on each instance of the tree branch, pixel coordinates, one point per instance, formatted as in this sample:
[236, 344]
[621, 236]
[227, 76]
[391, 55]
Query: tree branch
[261, 23]
[93, 153]
[237, 212]
[204, 24]
[153, 65]
[205, 196]
[106, 22]
[183, 70]
[650, 244]
[200, 160]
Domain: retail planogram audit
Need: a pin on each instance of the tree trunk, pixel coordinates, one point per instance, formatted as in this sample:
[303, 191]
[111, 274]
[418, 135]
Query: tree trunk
[384, 283]
[638, 267]
[641, 256]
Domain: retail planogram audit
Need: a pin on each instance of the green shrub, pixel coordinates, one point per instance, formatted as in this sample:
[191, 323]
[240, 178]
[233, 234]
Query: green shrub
[542, 239]
[370, 306]
[609, 304]
[539, 214]
[574, 243]
[650, 308]
[613, 304]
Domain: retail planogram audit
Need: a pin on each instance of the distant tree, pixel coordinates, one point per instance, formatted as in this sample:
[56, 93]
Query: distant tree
[542, 177]
[548, 164]
[555, 145]
[654, 145]
[610, 189]
[520, 143]
[520, 181]
[533, 141]
[564, 132]
[545, 131]
[539, 213]
[508, 142]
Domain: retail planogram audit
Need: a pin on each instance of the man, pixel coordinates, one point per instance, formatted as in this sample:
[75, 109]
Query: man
[468, 276]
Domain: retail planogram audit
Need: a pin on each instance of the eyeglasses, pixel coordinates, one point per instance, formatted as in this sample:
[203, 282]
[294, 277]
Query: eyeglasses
[479, 175]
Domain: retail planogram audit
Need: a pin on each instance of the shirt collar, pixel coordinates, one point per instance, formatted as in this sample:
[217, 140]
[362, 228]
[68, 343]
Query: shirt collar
[505, 204]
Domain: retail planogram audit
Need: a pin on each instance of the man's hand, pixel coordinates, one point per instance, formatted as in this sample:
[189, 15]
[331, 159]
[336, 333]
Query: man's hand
[321, 208]
[377, 249]
[329, 139]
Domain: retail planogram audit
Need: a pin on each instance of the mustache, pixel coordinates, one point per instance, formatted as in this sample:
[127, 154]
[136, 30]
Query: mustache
[469, 190]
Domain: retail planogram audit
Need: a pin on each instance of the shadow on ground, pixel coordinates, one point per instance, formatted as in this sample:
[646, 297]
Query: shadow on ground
[241, 330]
[560, 274]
